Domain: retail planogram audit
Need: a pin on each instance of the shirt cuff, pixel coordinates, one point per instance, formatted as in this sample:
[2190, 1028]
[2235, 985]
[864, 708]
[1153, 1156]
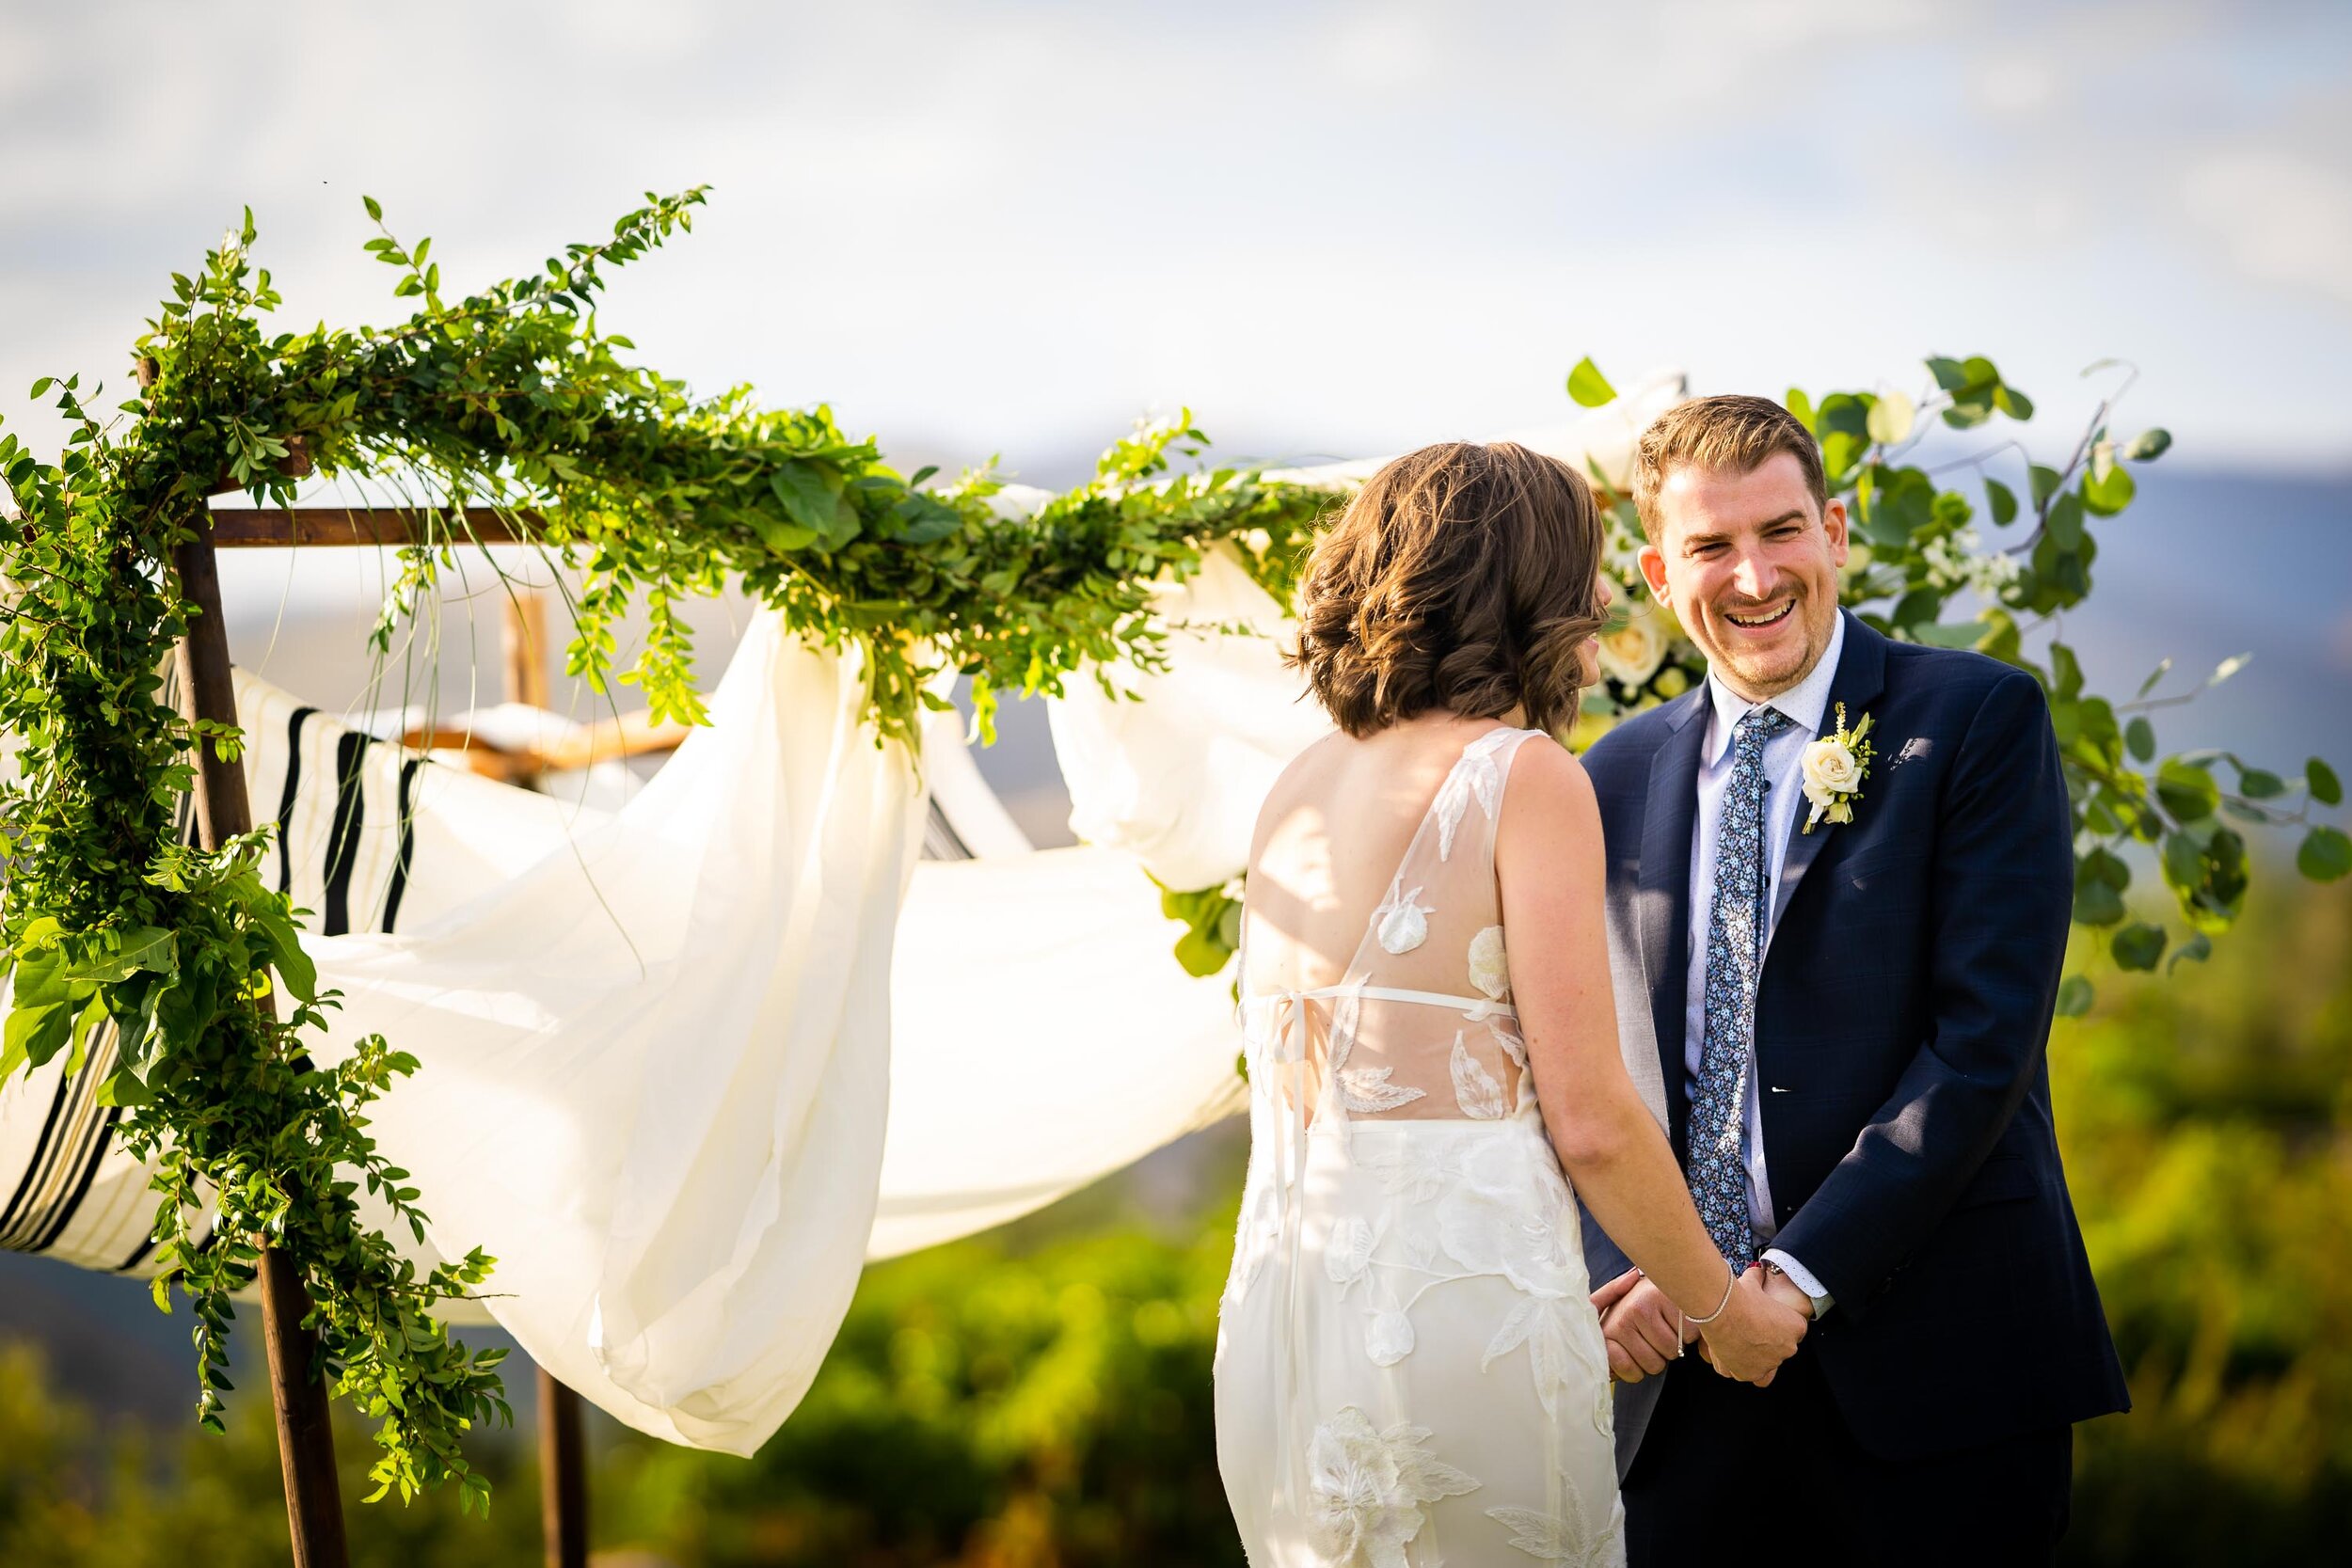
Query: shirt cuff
[1804, 1280]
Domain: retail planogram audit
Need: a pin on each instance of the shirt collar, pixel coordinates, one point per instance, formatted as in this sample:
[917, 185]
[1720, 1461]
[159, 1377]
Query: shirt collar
[1806, 702]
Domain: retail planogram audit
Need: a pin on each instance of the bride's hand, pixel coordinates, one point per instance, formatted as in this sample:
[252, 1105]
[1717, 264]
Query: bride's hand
[1754, 1335]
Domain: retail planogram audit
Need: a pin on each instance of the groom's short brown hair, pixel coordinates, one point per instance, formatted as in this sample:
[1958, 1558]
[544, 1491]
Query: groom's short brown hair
[1462, 577]
[1732, 432]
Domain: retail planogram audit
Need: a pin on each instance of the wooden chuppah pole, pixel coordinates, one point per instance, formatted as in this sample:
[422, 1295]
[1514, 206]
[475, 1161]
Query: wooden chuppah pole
[306, 1440]
[563, 1452]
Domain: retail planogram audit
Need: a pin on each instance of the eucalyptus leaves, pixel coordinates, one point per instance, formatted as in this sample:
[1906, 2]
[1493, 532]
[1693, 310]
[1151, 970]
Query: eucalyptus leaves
[1921, 553]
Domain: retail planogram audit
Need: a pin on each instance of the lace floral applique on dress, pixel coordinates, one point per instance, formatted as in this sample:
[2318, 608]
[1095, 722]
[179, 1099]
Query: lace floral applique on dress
[1477, 776]
[1368, 1487]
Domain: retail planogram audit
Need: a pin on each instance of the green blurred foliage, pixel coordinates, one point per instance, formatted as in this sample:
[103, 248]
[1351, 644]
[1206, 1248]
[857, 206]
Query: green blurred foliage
[1040, 1398]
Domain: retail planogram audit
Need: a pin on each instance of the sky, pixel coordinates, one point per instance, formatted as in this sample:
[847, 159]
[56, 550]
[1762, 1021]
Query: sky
[1327, 229]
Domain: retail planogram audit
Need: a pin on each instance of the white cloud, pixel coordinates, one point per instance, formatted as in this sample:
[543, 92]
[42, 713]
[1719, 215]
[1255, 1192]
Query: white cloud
[2281, 216]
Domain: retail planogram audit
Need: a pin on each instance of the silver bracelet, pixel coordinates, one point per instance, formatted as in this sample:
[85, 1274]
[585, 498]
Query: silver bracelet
[1729, 1285]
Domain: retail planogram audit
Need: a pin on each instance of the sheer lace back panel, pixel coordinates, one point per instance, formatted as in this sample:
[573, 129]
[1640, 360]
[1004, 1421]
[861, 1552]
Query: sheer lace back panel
[1420, 1025]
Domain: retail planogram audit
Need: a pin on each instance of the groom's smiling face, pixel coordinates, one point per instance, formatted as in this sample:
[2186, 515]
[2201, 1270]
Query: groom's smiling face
[1749, 563]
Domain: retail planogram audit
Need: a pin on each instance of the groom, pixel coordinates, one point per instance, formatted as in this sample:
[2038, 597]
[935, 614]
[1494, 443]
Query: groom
[1849, 1022]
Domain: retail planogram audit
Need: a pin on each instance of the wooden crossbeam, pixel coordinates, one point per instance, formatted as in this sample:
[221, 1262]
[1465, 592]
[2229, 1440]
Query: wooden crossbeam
[275, 527]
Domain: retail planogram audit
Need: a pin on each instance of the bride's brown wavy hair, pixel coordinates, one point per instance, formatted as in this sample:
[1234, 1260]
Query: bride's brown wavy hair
[1461, 577]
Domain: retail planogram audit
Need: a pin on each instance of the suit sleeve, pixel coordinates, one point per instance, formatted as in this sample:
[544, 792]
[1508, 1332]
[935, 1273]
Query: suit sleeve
[2001, 894]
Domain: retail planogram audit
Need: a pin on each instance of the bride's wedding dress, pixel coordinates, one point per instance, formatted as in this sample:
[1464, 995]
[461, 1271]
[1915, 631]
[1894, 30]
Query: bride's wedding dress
[1408, 1373]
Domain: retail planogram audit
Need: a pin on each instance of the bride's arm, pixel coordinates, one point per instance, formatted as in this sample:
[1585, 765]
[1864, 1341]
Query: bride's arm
[1548, 859]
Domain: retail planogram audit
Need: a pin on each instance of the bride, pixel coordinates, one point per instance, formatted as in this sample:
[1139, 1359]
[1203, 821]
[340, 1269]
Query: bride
[1409, 1370]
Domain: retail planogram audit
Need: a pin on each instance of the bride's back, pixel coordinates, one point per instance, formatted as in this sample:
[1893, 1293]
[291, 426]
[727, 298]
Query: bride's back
[1373, 931]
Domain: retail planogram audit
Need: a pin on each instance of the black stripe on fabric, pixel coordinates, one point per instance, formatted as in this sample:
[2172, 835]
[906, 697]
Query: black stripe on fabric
[286, 796]
[342, 839]
[91, 1159]
[941, 841]
[37, 1164]
[403, 856]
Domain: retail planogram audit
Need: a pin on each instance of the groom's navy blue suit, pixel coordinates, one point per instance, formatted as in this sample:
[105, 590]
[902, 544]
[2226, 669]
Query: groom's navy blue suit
[1900, 1020]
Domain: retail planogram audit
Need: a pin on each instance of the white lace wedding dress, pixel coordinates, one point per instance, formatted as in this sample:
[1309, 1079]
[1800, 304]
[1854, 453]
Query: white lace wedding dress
[1408, 1373]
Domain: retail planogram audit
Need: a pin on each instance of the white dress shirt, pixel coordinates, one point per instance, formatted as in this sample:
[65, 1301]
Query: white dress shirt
[1807, 705]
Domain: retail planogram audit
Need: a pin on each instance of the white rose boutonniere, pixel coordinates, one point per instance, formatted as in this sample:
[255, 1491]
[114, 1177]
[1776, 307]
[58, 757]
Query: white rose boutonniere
[1834, 767]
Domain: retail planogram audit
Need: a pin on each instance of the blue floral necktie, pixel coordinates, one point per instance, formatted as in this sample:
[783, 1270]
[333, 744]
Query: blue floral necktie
[1735, 956]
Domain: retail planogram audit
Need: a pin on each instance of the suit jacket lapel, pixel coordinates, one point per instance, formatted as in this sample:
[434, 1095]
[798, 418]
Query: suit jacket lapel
[1666, 836]
[1861, 676]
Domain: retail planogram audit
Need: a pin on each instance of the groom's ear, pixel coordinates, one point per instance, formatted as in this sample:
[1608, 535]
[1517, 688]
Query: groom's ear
[1653, 564]
[1833, 524]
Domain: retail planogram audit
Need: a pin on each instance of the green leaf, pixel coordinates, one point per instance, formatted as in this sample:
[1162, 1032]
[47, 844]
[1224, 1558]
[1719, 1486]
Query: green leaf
[2108, 496]
[34, 1034]
[1800, 407]
[2325, 857]
[2010, 400]
[803, 494]
[2326, 788]
[1891, 418]
[2188, 792]
[2148, 445]
[1950, 634]
[2139, 945]
[375, 209]
[2197, 949]
[2096, 903]
[2257, 783]
[1200, 955]
[40, 387]
[2066, 672]
[1588, 386]
[2004, 501]
[2066, 522]
[2139, 738]
[2073, 997]
[2155, 675]
[125, 954]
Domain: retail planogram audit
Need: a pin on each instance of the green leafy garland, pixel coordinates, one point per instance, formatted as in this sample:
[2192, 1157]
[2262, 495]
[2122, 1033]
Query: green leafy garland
[510, 399]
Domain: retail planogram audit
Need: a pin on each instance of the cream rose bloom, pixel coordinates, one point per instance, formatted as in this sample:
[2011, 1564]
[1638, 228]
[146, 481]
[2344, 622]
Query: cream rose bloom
[1632, 653]
[1830, 770]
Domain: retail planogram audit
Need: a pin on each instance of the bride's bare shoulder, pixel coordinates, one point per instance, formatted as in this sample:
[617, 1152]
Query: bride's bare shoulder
[1306, 776]
[1549, 791]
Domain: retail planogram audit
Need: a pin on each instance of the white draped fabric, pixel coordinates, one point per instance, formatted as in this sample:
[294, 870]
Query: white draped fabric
[687, 1064]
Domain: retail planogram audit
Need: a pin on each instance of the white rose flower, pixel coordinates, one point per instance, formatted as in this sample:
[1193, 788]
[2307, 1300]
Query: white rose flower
[1632, 653]
[1489, 971]
[1829, 769]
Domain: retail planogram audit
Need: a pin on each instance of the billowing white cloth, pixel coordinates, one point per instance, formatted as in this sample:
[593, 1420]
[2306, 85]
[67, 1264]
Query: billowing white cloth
[655, 1065]
[999, 1106]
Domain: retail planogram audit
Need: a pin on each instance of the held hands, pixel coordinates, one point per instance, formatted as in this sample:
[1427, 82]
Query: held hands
[1760, 1327]
[1755, 1332]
